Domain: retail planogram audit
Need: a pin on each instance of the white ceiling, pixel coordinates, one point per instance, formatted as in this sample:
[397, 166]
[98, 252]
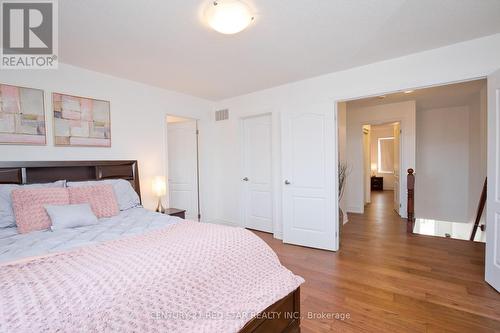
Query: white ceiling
[166, 44]
[450, 95]
[383, 127]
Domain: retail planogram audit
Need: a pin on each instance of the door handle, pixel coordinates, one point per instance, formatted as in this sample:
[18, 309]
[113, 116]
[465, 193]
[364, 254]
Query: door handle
[245, 179]
[287, 182]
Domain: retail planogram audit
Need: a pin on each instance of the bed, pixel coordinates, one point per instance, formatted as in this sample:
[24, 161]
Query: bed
[132, 259]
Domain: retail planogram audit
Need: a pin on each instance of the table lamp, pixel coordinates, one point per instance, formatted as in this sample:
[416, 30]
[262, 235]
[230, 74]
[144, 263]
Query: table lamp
[160, 189]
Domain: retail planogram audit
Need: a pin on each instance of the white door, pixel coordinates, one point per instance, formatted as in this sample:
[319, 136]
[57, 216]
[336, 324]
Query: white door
[257, 200]
[182, 167]
[310, 211]
[397, 168]
[493, 197]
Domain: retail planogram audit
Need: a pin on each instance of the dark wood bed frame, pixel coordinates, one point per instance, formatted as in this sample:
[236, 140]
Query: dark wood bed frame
[282, 316]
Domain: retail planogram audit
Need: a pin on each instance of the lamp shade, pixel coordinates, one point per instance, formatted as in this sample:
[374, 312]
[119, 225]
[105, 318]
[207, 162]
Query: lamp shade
[228, 16]
[159, 186]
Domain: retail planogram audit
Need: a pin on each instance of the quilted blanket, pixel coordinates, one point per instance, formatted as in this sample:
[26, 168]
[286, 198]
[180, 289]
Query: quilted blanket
[187, 277]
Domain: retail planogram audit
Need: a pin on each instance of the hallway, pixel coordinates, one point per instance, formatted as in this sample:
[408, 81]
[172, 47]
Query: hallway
[382, 204]
[383, 280]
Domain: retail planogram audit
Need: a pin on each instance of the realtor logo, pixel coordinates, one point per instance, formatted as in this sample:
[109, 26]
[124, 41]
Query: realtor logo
[29, 34]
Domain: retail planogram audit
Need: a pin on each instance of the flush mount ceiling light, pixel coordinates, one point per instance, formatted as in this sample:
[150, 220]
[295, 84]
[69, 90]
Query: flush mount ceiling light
[228, 16]
[408, 91]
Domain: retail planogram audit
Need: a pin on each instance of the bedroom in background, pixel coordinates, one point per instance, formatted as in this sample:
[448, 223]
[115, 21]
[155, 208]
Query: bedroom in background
[381, 160]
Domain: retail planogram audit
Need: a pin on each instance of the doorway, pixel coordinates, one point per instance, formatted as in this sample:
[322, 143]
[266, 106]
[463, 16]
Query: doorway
[395, 121]
[381, 154]
[448, 127]
[257, 191]
[457, 147]
[183, 166]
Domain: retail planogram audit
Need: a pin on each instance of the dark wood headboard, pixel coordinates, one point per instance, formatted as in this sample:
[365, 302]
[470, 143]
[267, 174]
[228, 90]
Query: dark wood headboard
[48, 171]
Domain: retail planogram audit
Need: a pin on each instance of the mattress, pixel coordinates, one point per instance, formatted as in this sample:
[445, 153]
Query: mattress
[135, 221]
[184, 277]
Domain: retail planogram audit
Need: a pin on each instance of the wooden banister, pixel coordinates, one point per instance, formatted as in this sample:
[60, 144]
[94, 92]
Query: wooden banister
[480, 208]
[410, 182]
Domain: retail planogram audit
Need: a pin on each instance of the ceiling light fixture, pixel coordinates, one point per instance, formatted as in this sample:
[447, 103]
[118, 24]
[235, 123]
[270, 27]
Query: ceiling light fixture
[228, 16]
[409, 91]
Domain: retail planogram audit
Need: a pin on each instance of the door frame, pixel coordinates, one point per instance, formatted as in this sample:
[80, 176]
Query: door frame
[336, 151]
[400, 154]
[241, 129]
[336, 101]
[165, 154]
[366, 142]
[389, 121]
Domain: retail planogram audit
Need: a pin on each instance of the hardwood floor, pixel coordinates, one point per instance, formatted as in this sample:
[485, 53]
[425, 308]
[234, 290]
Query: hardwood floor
[387, 281]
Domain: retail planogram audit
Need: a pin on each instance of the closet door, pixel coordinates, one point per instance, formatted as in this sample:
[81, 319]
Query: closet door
[310, 210]
[257, 174]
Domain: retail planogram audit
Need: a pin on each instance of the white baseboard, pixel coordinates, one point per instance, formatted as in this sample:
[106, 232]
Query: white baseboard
[355, 209]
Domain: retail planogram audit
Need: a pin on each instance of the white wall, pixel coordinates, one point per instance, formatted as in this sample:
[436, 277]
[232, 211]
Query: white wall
[462, 61]
[474, 182]
[138, 116]
[441, 177]
[403, 112]
[451, 160]
[478, 147]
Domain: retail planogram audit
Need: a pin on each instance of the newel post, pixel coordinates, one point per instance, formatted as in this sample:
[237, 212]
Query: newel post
[410, 182]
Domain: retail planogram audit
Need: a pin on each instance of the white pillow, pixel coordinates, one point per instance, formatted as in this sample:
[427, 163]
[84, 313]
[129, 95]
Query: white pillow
[70, 216]
[125, 194]
[7, 218]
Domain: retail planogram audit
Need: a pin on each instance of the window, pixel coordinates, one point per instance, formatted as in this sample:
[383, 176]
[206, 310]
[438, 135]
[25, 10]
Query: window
[386, 155]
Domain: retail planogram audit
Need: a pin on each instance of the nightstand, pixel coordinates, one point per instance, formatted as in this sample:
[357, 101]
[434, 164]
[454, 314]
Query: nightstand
[377, 183]
[176, 212]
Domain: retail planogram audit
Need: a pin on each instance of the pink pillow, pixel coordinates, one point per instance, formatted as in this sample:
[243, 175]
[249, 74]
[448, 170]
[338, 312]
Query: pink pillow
[28, 206]
[101, 199]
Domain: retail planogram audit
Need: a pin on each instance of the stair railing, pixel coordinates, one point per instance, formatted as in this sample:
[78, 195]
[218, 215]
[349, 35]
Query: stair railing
[410, 182]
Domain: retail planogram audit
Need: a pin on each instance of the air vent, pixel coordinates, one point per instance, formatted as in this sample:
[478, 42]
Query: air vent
[221, 114]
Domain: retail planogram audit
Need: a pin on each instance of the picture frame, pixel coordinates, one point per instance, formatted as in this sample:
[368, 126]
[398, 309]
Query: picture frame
[81, 121]
[22, 116]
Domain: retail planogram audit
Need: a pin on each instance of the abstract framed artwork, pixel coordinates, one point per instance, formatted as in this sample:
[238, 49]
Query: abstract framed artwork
[22, 116]
[81, 121]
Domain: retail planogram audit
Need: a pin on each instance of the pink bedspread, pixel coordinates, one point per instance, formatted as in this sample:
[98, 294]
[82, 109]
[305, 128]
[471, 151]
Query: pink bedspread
[188, 277]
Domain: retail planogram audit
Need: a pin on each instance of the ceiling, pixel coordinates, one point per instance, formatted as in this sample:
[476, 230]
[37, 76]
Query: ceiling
[383, 127]
[167, 44]
[451, 95]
